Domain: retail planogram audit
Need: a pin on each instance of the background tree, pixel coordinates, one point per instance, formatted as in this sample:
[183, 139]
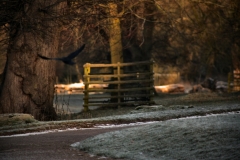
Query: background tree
[196, 38]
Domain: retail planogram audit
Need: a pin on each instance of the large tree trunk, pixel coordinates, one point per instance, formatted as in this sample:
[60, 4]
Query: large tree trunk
[29, 81]
[28, 85]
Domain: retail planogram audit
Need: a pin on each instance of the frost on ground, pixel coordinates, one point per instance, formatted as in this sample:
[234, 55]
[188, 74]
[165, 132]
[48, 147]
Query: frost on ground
[207, 137]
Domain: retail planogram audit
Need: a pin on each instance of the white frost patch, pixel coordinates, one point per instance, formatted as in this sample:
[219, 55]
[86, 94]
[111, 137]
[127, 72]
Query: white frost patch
[113, 125]
[124, 125]
[38, 133]
[208, 115]
[75, 144]
[26, 134]
[75, 129]
[215, 136]
[151, 122]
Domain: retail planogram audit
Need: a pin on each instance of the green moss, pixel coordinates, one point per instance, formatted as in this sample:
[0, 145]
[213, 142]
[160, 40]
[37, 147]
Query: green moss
[15, 119]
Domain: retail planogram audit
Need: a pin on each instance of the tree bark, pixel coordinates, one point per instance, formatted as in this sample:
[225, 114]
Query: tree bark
[115, 39]
[115, 42]
[75, 43]
[148, 29]
[28, 84]
[235, 56]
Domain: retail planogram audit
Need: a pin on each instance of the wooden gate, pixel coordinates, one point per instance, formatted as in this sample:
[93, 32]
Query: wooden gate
[120, 84]
[234, 81]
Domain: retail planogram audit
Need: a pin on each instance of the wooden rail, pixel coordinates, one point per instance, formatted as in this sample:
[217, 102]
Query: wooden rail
[125, 86]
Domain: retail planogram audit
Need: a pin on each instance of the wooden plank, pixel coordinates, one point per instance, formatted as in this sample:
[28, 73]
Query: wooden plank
[120, 64]
[118, 90]
[117, 104]
[119, 82]
[122, 75]
[122, 96]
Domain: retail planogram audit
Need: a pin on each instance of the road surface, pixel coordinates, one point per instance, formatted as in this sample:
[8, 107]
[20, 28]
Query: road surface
[48, 146]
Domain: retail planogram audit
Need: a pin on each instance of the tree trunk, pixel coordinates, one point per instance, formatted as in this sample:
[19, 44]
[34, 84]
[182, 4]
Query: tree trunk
[115, 39]
[142, 41]
[235, 56]
[78, 71]
[28, 85]
[148, 29]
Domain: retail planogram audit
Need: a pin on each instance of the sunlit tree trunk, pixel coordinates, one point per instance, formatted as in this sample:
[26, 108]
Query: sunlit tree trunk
[115, 41]
[115, 34]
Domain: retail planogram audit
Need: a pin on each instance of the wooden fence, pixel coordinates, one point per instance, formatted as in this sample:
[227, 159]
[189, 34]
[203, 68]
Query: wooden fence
[234, 81]
[123, 84]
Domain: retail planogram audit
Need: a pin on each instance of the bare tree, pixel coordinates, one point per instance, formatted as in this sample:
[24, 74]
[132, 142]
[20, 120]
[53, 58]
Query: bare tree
[196, 37]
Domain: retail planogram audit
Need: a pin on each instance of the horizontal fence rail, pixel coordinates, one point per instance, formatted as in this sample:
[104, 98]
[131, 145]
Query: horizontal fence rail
[126, 84]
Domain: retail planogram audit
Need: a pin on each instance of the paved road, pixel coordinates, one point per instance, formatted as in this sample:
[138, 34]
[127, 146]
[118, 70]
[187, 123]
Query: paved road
[70, 102]
[48, 146]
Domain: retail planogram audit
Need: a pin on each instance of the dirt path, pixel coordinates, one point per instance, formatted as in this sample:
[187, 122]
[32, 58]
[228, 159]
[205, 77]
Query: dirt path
[48, 146]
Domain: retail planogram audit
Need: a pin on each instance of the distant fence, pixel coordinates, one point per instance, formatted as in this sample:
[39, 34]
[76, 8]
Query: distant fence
[234, 81]
[126, 84]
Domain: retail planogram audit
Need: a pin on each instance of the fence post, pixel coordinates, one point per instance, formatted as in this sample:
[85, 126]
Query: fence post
[86, 87]
[151, 78]
[236, 79]
[230, 80]
[118, 78]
